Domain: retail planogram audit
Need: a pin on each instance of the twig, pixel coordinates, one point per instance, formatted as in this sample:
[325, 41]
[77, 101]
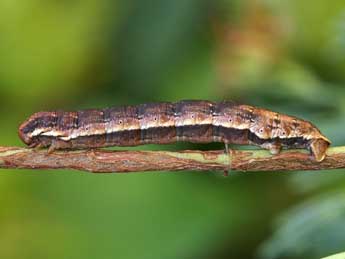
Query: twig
[102, 161]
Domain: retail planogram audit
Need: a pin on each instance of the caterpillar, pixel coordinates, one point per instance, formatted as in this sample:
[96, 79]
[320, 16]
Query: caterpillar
[165, 122]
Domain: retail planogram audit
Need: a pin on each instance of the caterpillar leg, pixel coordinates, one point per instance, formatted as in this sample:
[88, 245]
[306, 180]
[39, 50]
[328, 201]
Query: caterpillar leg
[52, 147]
[58, 144]
[274, 147]
[34, 145]
[227, 152]
[226, 148]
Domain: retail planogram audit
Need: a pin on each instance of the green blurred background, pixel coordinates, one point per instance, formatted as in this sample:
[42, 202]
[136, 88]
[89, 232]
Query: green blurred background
[288, 56]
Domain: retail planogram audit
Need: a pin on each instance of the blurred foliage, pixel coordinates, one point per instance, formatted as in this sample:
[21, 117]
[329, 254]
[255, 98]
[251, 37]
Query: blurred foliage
[285, 55]
[335, 256]
[311, 229]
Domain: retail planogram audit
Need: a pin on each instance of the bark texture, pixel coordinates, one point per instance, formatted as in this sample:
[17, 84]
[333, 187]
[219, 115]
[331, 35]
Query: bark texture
[105, 161]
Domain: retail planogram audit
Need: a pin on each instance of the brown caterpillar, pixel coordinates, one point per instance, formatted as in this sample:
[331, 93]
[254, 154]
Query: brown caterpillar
[160, 123]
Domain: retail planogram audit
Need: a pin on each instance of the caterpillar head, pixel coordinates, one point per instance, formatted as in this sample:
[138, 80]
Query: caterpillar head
[318, 148]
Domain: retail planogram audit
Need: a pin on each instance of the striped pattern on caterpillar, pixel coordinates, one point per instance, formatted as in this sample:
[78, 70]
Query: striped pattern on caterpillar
[161, 123]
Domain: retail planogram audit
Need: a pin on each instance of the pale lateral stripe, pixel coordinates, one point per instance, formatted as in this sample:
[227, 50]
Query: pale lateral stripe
[36, 132]
[52, 133]
[117, 128]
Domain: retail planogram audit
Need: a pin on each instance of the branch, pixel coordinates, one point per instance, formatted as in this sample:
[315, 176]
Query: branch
[102, 161]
